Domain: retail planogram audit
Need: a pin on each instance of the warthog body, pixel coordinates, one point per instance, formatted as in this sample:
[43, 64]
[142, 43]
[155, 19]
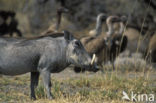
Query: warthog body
[41, 56]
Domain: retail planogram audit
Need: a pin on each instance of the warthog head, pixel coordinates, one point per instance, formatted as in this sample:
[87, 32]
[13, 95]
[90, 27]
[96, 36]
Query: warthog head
[77, 55]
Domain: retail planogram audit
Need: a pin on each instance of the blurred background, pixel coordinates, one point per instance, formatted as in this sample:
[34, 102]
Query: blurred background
[35, 16]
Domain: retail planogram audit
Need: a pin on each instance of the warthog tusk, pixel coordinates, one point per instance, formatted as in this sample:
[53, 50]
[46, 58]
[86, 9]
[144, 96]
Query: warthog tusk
[93, 59]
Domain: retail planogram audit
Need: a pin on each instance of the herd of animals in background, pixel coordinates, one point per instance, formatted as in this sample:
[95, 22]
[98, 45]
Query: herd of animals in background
[11, 27]
[106, 46]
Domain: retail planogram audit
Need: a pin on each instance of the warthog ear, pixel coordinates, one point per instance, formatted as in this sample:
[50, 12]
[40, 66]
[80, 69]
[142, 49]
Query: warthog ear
[68, 35]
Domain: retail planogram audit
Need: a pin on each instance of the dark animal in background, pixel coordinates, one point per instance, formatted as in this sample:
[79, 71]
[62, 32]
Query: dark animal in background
[10, 28]
[42, 56]
[5, 14]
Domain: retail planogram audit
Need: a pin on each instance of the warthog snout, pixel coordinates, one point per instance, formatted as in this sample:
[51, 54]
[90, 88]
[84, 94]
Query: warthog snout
[95, 68]
[91, 61]
[92, 64]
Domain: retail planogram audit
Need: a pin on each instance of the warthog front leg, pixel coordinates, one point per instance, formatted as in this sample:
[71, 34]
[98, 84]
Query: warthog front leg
[47, 83]
[34, 83]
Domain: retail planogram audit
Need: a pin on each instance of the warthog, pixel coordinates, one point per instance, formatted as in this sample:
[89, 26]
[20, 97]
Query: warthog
[42, 56]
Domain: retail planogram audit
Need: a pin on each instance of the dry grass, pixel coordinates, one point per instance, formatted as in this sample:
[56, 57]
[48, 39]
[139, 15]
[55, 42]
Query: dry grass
[104, 86]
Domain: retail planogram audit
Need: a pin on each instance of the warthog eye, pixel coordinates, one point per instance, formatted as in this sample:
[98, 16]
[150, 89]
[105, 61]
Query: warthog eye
[77, 44]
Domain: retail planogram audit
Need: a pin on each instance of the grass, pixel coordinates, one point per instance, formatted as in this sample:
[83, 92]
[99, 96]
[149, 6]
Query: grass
[80, 88]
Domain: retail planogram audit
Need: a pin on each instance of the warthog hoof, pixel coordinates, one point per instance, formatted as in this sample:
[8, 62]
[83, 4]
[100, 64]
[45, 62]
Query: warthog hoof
[33, 98]
[50, 97]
